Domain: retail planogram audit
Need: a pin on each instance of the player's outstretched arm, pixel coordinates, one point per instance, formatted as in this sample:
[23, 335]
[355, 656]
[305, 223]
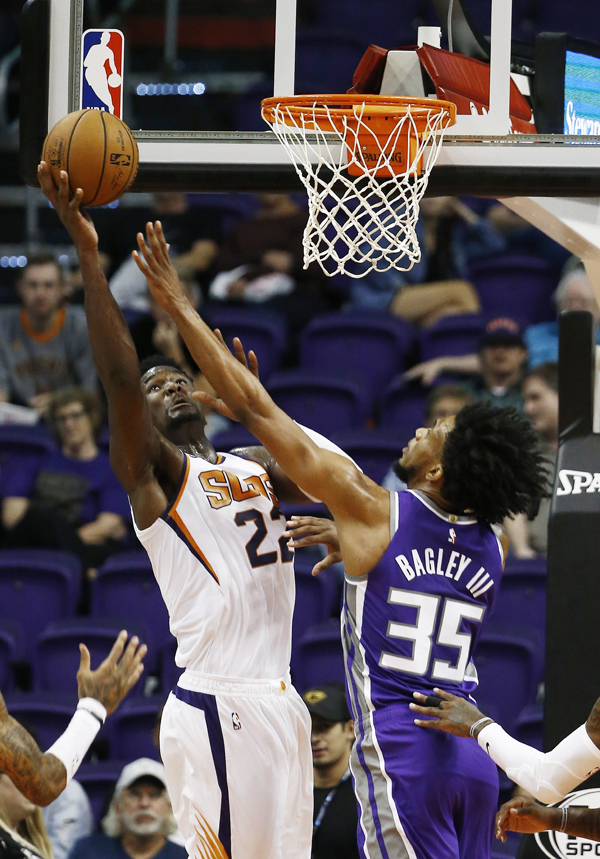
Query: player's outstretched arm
[319, 473]
[523, 815]
[135, 445]
[548, 777]
[42, 777]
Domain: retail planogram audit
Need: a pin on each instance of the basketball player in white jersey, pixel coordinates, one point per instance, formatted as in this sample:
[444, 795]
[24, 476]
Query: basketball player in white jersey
[235, 735]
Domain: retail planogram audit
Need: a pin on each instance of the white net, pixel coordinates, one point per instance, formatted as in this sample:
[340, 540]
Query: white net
[364, 181]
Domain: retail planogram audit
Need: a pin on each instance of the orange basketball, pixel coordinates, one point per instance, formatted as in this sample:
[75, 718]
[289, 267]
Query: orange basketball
[97, 150]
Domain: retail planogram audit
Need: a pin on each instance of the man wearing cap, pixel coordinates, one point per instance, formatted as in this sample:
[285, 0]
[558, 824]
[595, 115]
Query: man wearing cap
[139, 819]
[332, 735]
[497, 367]
[502, 359]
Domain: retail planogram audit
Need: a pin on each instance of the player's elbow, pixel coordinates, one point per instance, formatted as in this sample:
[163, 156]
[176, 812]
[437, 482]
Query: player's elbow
[51, 783]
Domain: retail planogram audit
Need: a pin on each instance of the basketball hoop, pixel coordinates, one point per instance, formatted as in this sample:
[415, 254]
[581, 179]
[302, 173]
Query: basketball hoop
[365, 162]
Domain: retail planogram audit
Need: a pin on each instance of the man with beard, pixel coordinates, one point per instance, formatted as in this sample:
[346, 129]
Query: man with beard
[139, 819]
[422, 568]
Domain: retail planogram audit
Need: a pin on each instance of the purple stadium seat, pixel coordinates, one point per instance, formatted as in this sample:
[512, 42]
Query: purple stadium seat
[131, 729]
[8, 654]
[507, 665]
[403, 408]
[18, 439]
[369, 349]
[263, 331]
[99, 781]
[320, 403]
[36, 587]
[453, 335]
[57, 650]
[319, 656]
[516, 286]
[522, 597]
[373, 450]
[169, 671]
[47, 715]
[126, 587]
[529, 726]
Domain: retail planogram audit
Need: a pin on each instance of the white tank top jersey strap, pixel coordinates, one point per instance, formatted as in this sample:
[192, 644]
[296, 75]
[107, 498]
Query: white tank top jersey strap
[224, 570]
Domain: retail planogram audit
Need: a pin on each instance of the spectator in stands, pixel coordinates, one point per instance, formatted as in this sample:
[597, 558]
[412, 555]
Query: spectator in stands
[529, 536]
[68, 819]
[69, 499]
[496, 370]
[449, 233]
[139, 819]
[193, 234]
[335, 819]
[22, 831]
[574, 292]
[261, 262]
[44, 344]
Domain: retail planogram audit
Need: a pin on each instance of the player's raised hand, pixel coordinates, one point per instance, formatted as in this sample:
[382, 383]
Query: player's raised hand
[454, 715]
[68, 208]
[522, 814]
[114, 677]
[154, 262]
[250, 362]
[313, 531]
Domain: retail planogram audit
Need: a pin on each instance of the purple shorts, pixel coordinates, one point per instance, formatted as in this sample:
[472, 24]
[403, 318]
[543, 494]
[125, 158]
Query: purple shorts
[422, 794]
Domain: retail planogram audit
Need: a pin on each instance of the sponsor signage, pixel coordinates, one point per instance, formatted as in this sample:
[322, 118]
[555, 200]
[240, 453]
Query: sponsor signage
[559, 845]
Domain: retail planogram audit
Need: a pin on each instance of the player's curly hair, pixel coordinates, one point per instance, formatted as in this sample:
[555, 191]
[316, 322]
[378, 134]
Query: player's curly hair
[492, 463]
[160, 361]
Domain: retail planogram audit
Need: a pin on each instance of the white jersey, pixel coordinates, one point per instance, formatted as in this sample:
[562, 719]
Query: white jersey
[224, 570]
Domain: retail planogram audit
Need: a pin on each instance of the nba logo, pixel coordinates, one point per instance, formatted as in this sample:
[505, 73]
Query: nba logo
[102, 71]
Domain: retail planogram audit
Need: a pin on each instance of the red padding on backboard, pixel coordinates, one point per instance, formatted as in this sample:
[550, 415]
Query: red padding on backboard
[466, 82]
[369, 72]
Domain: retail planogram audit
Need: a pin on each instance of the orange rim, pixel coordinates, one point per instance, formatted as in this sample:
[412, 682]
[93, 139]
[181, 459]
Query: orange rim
[323, 111]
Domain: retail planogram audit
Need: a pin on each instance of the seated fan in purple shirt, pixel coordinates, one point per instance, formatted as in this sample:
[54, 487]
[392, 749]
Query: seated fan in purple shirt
[68, 499]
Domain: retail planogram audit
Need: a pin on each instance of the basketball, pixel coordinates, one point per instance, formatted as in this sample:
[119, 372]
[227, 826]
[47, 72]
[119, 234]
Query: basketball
[114, 80]
[97, 150]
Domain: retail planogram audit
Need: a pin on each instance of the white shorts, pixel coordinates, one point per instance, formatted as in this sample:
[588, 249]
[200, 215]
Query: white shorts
[238, 761]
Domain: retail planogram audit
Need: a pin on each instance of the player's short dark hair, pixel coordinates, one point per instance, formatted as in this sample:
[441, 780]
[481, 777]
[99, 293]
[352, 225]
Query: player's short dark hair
[492, 463]
[547, 372]
[160, 361]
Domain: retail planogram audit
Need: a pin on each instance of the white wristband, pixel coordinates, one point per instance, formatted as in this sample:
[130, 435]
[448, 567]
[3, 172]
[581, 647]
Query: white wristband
[71, 747]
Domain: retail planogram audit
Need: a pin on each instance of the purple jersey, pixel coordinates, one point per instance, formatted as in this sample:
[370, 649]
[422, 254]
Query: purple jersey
[412, 623]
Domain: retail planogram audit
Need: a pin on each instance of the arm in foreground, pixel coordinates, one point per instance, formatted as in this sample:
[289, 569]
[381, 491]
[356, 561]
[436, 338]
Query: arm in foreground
[135, 446]
[42, 777]
[523, 815]
[301, 459]
[548, 777]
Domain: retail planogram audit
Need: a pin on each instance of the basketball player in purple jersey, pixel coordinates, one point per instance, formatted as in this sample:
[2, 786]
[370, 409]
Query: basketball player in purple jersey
[422, 569]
